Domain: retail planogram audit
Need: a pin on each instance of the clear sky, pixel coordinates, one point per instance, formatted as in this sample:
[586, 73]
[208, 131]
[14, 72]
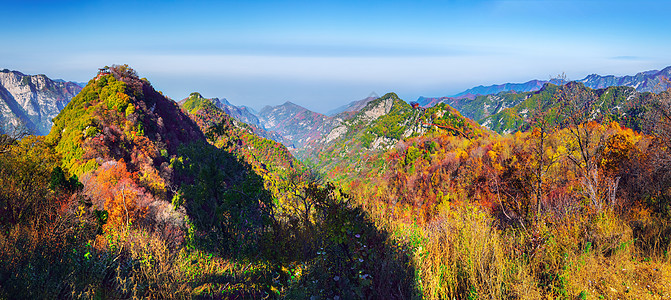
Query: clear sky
[322, 54]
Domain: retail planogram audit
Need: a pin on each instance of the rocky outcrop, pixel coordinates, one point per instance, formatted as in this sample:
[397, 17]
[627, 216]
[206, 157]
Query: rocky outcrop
[377, 110]
[240, 113]
[32, 100]
[353, 106]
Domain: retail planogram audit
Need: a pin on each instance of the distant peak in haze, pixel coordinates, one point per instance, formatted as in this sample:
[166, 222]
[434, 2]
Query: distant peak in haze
[647, 81]
[240, 113]
[354, 105]
[286, 105]
[532, 85]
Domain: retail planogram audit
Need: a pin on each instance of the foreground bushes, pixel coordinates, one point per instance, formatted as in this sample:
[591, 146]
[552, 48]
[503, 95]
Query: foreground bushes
[465, 253]
[71, 251]
[137, 265]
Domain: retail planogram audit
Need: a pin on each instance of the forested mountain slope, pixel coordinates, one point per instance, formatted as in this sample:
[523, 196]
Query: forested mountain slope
[565, 207]
[379, 126]
[132, 196]
[268, 158]
[621, 104]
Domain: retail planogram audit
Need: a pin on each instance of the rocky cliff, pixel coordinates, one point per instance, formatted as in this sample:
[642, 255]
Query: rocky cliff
[32, 100]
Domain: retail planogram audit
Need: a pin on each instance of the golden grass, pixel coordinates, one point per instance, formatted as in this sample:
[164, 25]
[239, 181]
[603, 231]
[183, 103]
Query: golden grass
[465, 254]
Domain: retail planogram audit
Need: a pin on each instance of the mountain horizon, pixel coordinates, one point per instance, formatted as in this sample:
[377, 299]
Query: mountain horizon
[644, 81]
[651, 80]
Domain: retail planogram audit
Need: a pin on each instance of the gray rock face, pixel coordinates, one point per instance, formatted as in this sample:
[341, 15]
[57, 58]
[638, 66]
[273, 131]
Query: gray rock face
[240, 113]
[32, 100]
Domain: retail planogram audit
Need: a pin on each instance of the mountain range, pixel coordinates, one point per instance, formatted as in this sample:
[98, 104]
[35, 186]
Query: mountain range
[482, 101]
[134, 194]
[240, 113]
[354, 105]
[648, 81]
[35, 100]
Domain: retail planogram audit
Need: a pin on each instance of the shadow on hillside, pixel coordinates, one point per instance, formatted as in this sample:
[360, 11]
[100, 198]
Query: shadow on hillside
[339, 252]
[226, 202]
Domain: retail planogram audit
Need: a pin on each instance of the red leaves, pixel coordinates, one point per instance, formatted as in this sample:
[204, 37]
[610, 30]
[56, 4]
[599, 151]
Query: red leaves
[114, 188]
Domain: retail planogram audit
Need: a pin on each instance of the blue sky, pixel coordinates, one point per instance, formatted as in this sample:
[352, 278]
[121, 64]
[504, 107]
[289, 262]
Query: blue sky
[322, 54]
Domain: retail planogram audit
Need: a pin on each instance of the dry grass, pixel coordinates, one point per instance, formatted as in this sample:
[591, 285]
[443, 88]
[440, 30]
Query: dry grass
[593, 276]
[38, 264]
[464, 254]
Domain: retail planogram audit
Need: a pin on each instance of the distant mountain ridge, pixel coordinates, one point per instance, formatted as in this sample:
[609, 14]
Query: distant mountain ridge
[647, 81]
[296, 123]
[290, 124]
[353, 106]
[482, 101]
[532, 85]
[32, 100]
[239, 113]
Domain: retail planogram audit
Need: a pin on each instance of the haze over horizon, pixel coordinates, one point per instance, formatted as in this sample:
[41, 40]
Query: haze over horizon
[323, 55]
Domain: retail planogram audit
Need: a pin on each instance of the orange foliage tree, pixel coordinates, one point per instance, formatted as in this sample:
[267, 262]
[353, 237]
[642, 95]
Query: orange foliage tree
[114, 188]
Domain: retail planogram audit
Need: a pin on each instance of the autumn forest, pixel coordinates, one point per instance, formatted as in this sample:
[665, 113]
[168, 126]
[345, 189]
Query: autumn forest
[134, 195]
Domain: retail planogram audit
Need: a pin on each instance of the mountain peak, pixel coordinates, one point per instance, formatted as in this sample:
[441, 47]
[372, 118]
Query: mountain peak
[391, 95]
[196, 95]
[115, 113]
[12, 71]
[291, 104]
[353, 106]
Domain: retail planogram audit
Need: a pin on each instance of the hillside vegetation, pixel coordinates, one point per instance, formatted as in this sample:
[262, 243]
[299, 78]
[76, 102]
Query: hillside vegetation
[620, 104]
[569, 208]
[132, 195]
[377, 127]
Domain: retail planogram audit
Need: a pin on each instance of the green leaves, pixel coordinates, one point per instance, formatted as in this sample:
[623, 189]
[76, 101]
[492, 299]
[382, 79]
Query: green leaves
[59, 182]
[225, 200]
